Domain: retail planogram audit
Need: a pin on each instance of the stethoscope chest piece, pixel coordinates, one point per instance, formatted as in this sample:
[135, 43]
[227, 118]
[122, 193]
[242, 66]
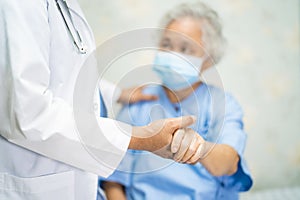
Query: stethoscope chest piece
[82, 48]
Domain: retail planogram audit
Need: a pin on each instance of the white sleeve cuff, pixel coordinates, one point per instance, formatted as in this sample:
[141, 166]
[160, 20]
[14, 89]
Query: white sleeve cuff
[117, 133]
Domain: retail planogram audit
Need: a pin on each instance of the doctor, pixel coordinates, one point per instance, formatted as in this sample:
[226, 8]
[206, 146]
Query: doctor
[41, 156]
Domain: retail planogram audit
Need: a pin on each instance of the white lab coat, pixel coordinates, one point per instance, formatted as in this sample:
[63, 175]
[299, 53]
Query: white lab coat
[41, 156]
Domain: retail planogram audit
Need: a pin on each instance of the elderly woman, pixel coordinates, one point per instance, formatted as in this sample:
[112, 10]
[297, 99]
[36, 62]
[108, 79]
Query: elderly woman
[221, 172]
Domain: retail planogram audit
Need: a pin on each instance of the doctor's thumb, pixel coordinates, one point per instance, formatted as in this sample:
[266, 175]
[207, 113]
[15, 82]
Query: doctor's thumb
[182, 122]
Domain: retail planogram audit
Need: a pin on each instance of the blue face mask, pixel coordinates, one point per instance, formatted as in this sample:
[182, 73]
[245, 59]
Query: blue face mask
[177, 71]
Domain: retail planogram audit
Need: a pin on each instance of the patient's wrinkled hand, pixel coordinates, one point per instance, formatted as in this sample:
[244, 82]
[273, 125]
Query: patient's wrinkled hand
[135, 94]
[187, 146]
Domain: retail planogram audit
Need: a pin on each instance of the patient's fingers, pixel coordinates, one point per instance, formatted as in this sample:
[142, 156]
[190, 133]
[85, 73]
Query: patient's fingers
[199, 153]
[177, 139]
[185, 144]
[192, 150]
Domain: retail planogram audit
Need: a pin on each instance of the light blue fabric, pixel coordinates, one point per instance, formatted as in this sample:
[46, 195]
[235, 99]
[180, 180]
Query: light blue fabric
[146, 176]
[103, 110]
[103, 113]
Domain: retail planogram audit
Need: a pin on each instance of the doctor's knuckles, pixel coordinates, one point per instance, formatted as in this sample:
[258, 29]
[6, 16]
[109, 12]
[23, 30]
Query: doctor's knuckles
[158, 134]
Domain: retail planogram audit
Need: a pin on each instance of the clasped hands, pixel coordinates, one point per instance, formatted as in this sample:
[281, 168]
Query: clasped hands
[170, 138]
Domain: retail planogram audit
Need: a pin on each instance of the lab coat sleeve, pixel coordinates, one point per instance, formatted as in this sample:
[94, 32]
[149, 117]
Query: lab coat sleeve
[31, 116]
[233, 135]
[123, 173]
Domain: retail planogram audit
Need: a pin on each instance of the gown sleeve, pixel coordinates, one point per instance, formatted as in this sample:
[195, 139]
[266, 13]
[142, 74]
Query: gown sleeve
[233, 135]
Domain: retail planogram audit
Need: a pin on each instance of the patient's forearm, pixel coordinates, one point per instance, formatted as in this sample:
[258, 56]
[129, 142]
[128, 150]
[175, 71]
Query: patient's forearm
[221, 159]
[114, 191]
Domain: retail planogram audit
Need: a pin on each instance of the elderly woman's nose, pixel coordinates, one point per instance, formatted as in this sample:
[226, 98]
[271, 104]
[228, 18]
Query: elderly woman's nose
[177, 49]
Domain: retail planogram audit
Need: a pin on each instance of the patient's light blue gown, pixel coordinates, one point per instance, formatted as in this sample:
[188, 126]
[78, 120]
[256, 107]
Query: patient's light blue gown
[219, 119]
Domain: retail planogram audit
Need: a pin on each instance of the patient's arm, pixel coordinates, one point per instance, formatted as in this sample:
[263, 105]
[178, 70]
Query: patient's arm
[114, 191]
[220, 159]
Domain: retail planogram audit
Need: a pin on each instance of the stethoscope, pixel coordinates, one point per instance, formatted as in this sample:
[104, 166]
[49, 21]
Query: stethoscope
[82, 48]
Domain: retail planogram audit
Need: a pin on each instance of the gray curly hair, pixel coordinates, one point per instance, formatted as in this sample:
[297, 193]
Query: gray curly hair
[214, 41]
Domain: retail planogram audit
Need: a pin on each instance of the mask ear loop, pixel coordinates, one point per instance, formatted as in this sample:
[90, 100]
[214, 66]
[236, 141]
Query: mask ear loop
[199, 68]
[205, 59]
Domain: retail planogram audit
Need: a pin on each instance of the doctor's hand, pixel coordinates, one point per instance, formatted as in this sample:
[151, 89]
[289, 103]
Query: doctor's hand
[134, 94]
[157, 136]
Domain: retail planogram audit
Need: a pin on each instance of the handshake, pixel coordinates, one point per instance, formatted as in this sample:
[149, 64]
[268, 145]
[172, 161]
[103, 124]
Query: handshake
[170, 138]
